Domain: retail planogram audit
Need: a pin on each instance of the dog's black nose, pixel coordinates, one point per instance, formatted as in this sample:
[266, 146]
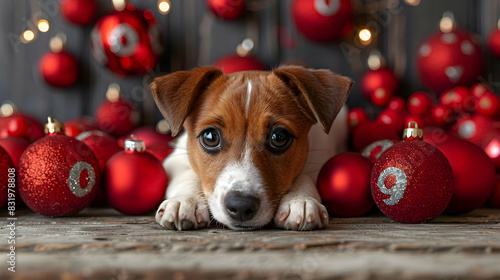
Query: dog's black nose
[241, 207]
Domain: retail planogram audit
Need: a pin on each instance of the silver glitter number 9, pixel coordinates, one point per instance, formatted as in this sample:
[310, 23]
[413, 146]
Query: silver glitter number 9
[397, 192]
[74, 178]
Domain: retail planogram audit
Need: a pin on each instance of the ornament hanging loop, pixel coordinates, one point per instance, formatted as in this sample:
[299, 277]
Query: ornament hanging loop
[413, 132]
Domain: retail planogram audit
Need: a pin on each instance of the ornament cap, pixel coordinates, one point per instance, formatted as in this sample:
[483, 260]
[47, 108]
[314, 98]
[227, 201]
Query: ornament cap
[53, 126]
[413, 132]
[133, 144]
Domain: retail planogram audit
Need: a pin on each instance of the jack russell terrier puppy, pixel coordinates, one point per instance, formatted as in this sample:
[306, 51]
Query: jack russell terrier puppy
[249, 154]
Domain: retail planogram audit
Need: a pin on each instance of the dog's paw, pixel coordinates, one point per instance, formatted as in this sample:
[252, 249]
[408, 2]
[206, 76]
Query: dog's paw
[183, 213]
[301, 214]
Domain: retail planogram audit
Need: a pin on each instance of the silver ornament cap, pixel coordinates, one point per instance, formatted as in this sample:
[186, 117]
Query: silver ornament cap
[133, 144]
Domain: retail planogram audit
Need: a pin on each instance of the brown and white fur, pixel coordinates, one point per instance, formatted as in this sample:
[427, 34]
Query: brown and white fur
[267, 156]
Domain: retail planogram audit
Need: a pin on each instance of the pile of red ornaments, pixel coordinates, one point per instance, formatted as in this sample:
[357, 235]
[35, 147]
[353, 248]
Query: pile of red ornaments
[63, 168]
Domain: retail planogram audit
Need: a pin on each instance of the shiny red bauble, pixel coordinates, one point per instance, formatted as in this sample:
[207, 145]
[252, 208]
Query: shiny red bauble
[355, 117]
[323, 20]
[235, 63]
[491, 146]
[488, 104]
[74, 127]
[419, 103]
[478, 89]
[381, 78]
[148, 134]
[392, 119]
[116, 117]
[473, 128]
[7, 171]
[14, 146]
[58, 175]
[397, 103]
[412, 182]
[21, 125]
[135, 181]
[494, 42]
[381, 97]
[103, 145]
[474, 175]
[442, 115]
[370, 132]
[80, 12]
[446, 60]
[227, 9]
[375, 149]
[128, 42]
[344, 185]
[160, 150]
[458, 99]
[59, 69]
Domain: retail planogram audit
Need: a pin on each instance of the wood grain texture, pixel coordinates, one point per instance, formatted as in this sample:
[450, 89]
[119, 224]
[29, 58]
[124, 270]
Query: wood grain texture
[103, 244]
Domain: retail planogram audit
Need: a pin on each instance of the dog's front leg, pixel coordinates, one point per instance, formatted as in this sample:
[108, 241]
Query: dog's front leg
[301, 209]
[185, 206]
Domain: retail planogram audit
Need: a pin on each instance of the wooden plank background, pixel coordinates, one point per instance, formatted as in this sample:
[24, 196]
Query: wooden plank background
[195, 37]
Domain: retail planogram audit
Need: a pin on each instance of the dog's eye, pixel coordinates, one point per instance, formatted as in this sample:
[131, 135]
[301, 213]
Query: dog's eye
[280, 140]
[210, 140]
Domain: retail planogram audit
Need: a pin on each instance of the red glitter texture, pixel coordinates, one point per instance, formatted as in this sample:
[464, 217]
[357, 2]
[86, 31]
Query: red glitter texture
[43, 175]
[429, 181]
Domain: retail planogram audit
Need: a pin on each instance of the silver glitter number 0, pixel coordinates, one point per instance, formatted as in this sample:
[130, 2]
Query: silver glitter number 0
[74, 179]
[397, 192]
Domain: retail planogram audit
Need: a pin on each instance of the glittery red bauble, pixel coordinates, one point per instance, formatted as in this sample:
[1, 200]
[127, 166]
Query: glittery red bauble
[494, 200]
[6, 168]
[128, 42]
[80, 12]
[473, 128]
[235, 63]
[58, 175]
[14, 146]
[147, 134]
[59, 69]
[491, 146]
[381, 79]
[21, 125]
[160, 150]
[116, 117]
[135, 182]
[355, 117]
[227, 9]
[370, 132]
[322, 20]
[446, 60]
[375, 149]
[74, 127]
[494, 42]
[412, 182]
[474, 175]
[344, 185]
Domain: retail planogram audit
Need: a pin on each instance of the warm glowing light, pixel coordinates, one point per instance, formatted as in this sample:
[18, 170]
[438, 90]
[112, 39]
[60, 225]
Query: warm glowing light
[119, 5]
[365, 36]
[412, 2]
[113, 93]
[447, 23]
[7, 109]
[43, 25]
[164, 6]
[57, 43]
[374, 61]
[28, 36]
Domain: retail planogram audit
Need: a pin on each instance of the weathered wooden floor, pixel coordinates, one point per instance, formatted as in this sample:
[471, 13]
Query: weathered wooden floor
[103, 244]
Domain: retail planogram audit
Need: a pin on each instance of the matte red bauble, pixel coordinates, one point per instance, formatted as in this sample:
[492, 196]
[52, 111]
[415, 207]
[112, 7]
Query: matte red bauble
[227, 9]
[474, 175]
[135, 181]
[59, 69]
[14, 146]
[80, 12]
[355, 117]
[375, 149]
[128, 42]
[370, 132]
[494, 42]
[116, 117]
[412, 182]
[74, 127]
[322, 20]
[235, 63]
[446, 60]
[6, 169]
[58, 175]
[381, 78]
[344, 185]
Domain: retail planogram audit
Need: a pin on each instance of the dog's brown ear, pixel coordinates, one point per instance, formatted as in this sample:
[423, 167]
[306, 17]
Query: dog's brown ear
[322, 92]
[175, 93]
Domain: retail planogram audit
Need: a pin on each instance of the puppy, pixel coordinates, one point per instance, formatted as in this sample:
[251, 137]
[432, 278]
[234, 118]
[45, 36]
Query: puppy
[243, 154]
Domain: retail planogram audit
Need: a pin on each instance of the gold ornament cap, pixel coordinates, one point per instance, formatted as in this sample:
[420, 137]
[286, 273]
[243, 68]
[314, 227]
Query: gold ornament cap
[53, 126]
[133, 144]
[413, 132]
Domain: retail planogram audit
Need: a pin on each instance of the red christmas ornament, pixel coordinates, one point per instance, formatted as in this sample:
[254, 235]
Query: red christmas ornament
[235, 63]
[391, 119]
[442, 115]
[59, 69]
[21, 125]
[227, 9]
[344, 185]
[381, 97]
[80, 12]
[116, 115]
[58, 175]
[370, 132]
[160, 150]
[446, 60]
[135, 181]
[478, 89]
[355, 117]
[381, 78]
[375, 149]
[458, 99]
[323, 20]
[103, 145]
[412, 182]
[128, 42]
[435, 135]
[494, 42]
[397, 103]
[419, 103]
[491, 146]
[488, 105]
[149, 135]
[473, 128]
[474, 175]
[14, 146]
[6, 171]
[74, 127]
[494, 200]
